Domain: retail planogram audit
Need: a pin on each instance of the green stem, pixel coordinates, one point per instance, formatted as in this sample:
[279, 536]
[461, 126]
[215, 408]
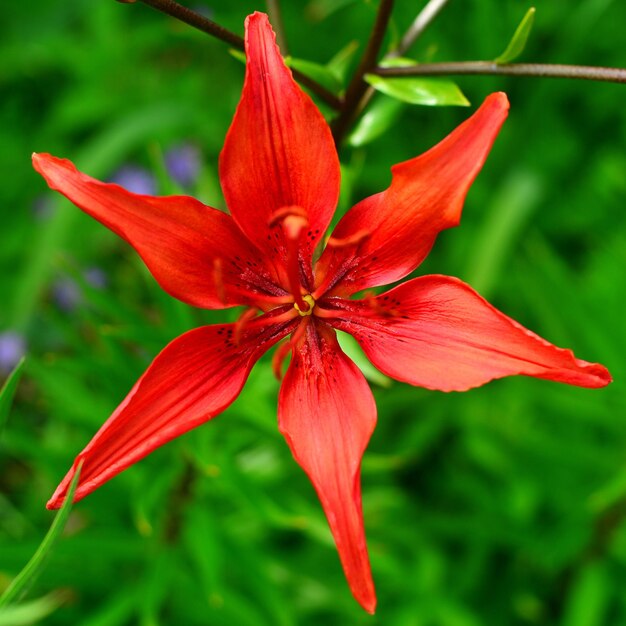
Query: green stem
[419, 25]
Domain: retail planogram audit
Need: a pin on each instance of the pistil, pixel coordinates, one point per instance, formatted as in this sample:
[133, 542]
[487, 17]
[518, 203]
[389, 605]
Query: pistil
[310, 302]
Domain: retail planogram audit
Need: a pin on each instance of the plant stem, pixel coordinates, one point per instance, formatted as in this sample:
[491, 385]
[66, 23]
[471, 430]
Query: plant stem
[276, 18]
[357, 87]
[179, 12]
[608, 74]
[178, 500]
[173, 9]
[419, 25]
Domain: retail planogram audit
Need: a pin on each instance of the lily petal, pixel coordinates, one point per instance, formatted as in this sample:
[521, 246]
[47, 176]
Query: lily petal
[327, 413]
[191, 381]
[279, 151]
[437, 332]
[386, 236]
[196, 253]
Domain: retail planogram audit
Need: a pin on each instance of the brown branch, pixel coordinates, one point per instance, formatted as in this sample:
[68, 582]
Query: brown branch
[608, 74]
[357, 87]
[183, 14]
[178, 11]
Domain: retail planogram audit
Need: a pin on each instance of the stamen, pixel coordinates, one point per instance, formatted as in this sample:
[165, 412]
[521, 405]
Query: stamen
[293, 220]
[218, 279]
[279, 357]
[242, 322]
[335, 271]
[283, 348]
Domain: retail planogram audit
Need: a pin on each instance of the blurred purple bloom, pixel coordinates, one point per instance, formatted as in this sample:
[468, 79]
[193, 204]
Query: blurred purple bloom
[66, 292]
[12, 349]
[136, 179]
[95, 277]
[183, 164]
[43, 207]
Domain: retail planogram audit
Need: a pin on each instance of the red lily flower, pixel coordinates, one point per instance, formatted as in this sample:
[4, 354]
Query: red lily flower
[280, 175]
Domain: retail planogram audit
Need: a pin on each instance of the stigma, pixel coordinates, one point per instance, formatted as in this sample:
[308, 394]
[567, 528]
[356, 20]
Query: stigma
[308, 300]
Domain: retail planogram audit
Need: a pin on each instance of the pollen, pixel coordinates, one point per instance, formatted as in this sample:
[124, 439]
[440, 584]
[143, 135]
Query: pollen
[308, 299]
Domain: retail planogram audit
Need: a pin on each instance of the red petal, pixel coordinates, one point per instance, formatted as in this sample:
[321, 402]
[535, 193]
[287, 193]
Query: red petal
[191, 381]
[327, 413]
[279, 151]
[196, 253]
[437, 332]
[394, 230]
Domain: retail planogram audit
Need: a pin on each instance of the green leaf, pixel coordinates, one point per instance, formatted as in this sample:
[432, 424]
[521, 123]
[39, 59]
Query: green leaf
[380, 116]
[33, 568]
[416, 90]
[31, 612]
[8, 391]
[319, 73]
[518, 41]
[237, 54]
[340, 63]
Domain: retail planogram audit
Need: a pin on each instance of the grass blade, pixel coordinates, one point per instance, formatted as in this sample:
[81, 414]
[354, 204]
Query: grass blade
[8, 392]
[32, 569]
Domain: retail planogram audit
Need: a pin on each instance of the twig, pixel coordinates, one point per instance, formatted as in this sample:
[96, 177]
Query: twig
[276, 18]
[583, 72]
[419, 25]
[175, 10]
[357, 87]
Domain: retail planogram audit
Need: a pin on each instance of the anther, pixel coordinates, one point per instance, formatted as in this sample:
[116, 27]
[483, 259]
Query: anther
[351, 240]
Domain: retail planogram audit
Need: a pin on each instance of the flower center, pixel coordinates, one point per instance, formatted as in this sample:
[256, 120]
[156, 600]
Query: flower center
[308, 300]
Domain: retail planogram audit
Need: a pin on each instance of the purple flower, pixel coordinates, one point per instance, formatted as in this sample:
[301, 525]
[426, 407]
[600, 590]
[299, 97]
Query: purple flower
[136, 179]
[183, 164]
[43, 207]
[95, 277]
[67, 294]
[12, 349]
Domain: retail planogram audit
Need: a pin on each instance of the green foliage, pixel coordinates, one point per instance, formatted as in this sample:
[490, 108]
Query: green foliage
[7, 392]
[375, 121]
[28, 575]
[518, 41]
[424, 91]
[500, 506]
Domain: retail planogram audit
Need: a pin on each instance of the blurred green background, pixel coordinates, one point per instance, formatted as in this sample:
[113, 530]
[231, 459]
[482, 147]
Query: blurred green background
[503, 505]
